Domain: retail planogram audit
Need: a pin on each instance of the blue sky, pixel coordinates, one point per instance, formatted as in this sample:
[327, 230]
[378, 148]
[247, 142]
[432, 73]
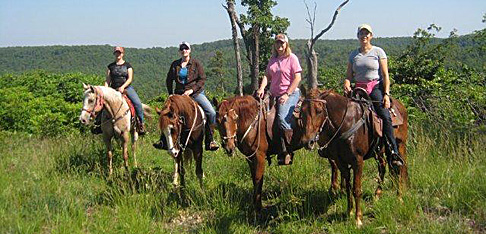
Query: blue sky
[163, 23]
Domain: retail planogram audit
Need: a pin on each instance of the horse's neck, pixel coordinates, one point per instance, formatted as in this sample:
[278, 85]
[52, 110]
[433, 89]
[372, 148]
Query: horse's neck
[114, 101]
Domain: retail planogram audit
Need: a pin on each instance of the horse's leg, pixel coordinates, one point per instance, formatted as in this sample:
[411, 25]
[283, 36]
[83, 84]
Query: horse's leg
[381, 161]
[198, 155]
[334, 178]
[134, 147]
[177, 162]
[109, 153]
[403, 171]
[357, 192]
[257, 168]
[346, 175]
[125, 139]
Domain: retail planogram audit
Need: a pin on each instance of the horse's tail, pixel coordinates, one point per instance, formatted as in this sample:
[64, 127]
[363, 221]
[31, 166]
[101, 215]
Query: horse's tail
[147, 111]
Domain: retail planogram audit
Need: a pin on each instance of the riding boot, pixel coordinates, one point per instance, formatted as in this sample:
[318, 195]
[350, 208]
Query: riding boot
[97, 125]
[210, 143]
[284, 138]
[141, 128]
[161, 144]
[396, 160]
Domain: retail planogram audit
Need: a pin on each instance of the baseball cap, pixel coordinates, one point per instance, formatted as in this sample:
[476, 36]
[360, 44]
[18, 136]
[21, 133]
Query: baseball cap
[282, 37]
[185, 43]
[118, 48]
[365, 26]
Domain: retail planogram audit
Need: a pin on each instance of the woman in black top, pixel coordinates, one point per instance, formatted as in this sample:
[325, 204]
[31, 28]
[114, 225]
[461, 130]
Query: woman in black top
[119, 76]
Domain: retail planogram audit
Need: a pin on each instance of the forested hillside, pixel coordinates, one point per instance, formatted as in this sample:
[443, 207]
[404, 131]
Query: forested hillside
[151, 64]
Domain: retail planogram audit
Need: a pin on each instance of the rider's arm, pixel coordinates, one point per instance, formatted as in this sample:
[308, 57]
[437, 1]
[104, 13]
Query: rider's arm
[386, 77]
[108, 78]
[169, 79]
[349, 76]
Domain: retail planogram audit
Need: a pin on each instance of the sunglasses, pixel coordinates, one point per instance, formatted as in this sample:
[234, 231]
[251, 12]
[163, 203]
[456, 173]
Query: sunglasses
[184, 47]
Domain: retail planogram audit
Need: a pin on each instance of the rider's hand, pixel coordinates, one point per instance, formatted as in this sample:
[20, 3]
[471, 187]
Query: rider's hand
[260, 93]
[283, 98]
[347, 88]
[121, 89]
[386, 101]
[188, 92]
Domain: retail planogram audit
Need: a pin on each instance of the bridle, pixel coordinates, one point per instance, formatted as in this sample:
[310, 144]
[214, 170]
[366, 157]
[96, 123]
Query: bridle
[99, 103]
[327, 119]
[181, 121]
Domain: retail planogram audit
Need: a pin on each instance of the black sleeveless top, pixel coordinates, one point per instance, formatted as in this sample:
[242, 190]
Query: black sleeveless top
[118, 74]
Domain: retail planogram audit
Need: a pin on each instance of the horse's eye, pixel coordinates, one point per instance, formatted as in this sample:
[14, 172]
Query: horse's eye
[90, 101]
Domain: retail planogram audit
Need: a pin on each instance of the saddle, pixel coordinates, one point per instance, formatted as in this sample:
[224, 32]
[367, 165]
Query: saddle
[134, 118]
[360, 95]
[271, 111]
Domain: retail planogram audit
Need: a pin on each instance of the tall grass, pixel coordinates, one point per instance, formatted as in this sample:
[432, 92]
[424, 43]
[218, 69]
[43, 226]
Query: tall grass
[60, 185]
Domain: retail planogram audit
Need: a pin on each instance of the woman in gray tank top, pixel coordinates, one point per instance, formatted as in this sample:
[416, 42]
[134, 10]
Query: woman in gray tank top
[368, 68]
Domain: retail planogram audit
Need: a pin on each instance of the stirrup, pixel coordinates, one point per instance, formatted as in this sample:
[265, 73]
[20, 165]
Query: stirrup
[286, 159]
[96, 130]
[160, 145]
[213, 146]
[396, 160]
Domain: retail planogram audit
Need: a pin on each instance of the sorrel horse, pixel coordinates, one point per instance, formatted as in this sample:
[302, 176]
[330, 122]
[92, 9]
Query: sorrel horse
[181, 121]
[242, 124]
[338, 124]
[116, 119]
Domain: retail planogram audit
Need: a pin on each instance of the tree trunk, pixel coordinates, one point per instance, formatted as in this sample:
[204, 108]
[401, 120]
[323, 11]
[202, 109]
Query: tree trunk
[230, 8]
[255, 69]
[311, 65]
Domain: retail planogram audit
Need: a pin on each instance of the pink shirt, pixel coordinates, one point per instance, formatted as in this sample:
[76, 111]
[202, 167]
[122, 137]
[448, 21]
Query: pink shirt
[282, 73]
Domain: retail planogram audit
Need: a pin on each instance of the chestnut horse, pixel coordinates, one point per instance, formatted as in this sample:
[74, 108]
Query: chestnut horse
[242, 123]
[338, 124]
[116, 118]
[181, 121]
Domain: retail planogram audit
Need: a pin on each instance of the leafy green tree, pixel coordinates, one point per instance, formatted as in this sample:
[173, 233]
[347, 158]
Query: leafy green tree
[216, 70]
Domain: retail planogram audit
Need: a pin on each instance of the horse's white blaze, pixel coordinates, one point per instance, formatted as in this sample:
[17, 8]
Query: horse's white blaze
[167, 133]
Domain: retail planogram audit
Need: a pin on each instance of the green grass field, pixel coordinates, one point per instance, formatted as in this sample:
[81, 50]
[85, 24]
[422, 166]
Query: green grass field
[59, 185]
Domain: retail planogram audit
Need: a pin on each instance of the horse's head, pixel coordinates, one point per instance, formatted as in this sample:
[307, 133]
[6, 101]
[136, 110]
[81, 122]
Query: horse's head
[226, 119]
[313, 116]
[170, 124]
[92, 104]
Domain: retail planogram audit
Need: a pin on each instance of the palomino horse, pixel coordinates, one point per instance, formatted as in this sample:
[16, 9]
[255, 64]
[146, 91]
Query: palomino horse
[181, 121]
[338, 124]
[116, 118]
[242, 124]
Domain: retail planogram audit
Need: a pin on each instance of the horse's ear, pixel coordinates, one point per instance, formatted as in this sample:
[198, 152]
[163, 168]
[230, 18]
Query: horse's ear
[158, 110]
[303, 90]
[85, 86]
[215, 102]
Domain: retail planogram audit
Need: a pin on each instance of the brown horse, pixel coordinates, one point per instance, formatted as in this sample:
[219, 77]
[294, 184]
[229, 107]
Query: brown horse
[242, 123]
[338, 124]
[181, 122]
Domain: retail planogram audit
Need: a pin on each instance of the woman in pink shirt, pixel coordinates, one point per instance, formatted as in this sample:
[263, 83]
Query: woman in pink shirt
[284, 73]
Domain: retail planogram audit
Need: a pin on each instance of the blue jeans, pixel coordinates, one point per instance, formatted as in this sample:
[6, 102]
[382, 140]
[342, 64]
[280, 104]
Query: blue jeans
[205, 104]
[286, 110]
[377, 96]
[136, 101]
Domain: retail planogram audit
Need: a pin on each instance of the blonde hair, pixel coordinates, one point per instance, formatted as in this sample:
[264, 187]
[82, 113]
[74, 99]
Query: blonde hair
[287, 52]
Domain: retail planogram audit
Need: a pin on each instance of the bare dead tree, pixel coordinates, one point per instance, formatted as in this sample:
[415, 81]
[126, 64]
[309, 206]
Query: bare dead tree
[230, 8]
[311, 55]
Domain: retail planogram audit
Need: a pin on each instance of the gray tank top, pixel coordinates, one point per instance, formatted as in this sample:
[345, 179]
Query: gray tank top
[366, 67]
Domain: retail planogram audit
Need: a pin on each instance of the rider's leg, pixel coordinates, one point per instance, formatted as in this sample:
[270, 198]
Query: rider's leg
[377, 95]
[210, 113]
[285, 117]
[138, 107]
